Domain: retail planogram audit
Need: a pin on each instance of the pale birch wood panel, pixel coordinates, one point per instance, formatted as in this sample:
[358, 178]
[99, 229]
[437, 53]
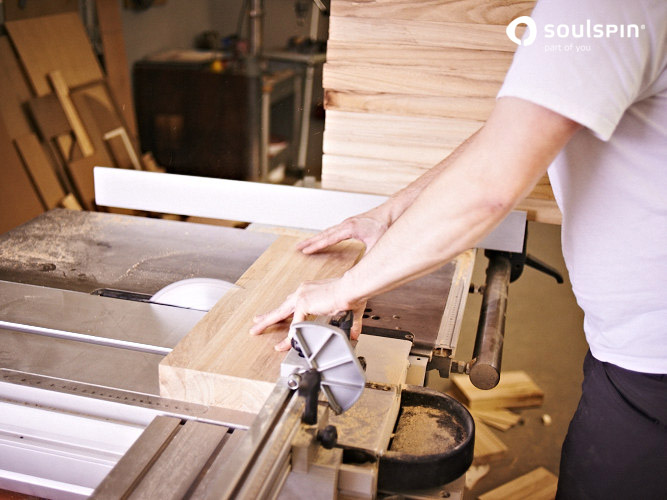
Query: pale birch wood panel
[390, 79]
[464, 11]
[473, 108]
[422, 33]
[218, 363]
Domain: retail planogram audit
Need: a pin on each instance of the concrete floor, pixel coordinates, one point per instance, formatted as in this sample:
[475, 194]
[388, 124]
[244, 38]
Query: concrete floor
[544, 337]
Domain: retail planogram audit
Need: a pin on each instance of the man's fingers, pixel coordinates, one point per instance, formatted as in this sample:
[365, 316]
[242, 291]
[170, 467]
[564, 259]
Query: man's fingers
[262, 322]
[283, 345]
[358, 313]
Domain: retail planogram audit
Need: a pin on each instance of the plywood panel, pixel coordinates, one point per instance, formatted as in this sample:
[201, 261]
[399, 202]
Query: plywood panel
[18, 200]
[499, 12]
[14, 91]
[40, 169]
[51, 43]
[217, 362]
[423, 33]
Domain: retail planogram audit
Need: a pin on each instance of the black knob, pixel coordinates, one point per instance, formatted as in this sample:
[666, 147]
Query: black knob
[328, 436]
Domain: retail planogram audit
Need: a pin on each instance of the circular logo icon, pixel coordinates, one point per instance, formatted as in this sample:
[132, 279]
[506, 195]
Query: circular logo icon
[531, 26]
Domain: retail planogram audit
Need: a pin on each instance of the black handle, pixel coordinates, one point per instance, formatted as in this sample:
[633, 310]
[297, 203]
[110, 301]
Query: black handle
[488, 352]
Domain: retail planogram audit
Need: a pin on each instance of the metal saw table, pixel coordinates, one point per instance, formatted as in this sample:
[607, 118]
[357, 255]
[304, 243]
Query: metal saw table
[74, 354]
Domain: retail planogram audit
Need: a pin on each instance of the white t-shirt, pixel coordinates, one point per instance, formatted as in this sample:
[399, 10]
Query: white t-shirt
[611, 179]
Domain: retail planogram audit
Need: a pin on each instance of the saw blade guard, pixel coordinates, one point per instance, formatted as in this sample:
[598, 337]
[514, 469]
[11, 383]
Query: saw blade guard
[327, 349]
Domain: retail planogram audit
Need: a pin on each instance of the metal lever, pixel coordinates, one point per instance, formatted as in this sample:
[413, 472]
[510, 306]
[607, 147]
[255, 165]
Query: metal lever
[488, 351]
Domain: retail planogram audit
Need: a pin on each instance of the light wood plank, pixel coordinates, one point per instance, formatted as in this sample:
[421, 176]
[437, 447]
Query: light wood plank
[515, 390]
[62, 93]
[545, 211]
[418, 57]
[539, 484]
[500, 419]
[398, 80]
[499, 12]
[217, 362]
[488, 447]
[422, 33]
[51, 43]
[472, 108]
[40, 169]
[141, 456]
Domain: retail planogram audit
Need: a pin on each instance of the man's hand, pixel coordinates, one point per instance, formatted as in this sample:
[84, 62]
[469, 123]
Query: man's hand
[318, 298]
[367, 227]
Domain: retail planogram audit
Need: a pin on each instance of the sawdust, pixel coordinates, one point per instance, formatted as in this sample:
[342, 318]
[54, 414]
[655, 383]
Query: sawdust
[424, 431]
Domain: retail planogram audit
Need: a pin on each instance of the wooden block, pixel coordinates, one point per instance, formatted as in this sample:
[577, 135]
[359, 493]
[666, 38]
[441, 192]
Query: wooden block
[40, 169]
[423, 33]
[141, 456]
[16, 9]
[488, 447]
[14, 91]
[62, 93]
[115, 61]
[515, 390]
[500, 419]
[367, 175]
[19, 201]
[472, 108]
[394, 80]
[539, 484]
[70, 202]
[499, 12]
[58, 42]
[545, 211]
[217, 362]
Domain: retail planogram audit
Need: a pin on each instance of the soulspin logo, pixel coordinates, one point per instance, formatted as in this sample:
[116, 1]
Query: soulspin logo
[585, 30]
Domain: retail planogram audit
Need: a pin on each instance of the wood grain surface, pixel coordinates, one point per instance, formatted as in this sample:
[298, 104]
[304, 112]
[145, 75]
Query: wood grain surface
[217, 362]
[539, 484]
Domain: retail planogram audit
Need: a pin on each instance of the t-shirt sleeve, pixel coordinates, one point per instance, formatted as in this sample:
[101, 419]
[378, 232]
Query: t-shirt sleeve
[590, 60]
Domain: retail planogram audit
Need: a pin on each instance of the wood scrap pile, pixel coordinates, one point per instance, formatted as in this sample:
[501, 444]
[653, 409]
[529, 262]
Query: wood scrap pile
[492, 408]
[60, 114]
[406, 82]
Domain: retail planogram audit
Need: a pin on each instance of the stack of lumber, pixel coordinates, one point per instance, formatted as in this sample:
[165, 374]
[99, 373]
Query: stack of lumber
[217, 362]
[490, 408]
[406, 82]
[59, 113]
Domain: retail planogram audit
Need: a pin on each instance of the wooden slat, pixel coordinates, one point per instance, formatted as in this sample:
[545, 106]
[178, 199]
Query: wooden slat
[18, 200]
[217, 362]
[472, 108]
[51, 43]
[515, 389]
[500, 419]
[423, 33]
[499, 12]
[141, 456]
[179, 465]
[545, 211]
[115, 60]
[539, 484]
[397, 80]
[62, 93]
[40, 169]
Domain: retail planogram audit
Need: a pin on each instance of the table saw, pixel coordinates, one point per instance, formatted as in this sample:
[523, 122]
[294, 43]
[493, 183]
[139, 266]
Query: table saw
[80, 344]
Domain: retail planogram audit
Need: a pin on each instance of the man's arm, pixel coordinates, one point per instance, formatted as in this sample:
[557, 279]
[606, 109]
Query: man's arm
[458, 207]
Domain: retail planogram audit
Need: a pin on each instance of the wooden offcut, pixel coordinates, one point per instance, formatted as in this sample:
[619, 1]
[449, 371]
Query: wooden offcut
[515, 390]
[50, 43]
[488, 447]
[217, 362]
[500, 418]
[539, 484]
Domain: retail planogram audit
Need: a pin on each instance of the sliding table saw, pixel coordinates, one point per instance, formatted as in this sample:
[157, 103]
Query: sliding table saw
[80, 344]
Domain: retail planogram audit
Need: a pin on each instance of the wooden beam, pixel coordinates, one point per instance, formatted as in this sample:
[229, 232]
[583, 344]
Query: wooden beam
[217, 362]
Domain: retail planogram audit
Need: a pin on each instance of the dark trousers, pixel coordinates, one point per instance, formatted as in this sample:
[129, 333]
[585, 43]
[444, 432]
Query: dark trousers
[616, 445]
